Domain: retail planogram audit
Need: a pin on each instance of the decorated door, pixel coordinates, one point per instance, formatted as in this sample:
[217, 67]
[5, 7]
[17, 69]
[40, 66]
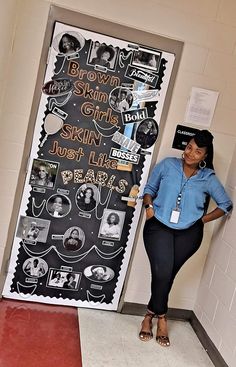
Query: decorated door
[94, 137]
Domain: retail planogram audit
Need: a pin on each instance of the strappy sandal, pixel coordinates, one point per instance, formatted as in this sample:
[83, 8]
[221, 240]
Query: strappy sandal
[145, 336]
[163, 340]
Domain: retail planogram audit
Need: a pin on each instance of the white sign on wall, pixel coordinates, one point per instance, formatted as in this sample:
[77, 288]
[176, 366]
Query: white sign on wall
[201, 106]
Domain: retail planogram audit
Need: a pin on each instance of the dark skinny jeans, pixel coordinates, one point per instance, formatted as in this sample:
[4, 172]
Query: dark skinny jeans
[168, 249]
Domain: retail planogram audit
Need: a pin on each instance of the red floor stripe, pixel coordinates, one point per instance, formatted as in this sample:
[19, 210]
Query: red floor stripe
[38, 335]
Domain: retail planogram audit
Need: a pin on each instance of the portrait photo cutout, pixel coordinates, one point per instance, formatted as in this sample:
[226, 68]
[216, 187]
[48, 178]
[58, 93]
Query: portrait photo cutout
[73, 239]
[147, 133]
[111, 224]
[58, 205]
[87, 197]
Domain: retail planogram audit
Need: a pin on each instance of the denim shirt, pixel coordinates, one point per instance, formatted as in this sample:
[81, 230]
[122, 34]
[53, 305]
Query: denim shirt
[165, 183]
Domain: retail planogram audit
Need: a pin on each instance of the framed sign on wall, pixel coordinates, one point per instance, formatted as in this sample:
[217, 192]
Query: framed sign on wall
[95, 132]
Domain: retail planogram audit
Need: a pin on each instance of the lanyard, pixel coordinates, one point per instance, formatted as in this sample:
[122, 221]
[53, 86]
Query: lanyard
[179, 197]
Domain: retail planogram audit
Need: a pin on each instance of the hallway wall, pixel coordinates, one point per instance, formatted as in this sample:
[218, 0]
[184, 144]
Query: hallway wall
[8, 176]
[208, 29]
[216, 301]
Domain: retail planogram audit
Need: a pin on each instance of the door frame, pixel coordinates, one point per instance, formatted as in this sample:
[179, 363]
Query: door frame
[105, 27]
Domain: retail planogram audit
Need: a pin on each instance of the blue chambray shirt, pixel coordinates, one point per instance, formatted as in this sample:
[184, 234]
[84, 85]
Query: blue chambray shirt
[165, 183]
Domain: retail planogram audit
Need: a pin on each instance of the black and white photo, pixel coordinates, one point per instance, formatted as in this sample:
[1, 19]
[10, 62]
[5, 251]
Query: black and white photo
[99, 273]
[43, 173]
[58, 206]
[146, 59]
[111, 224]
[120, 99]
[68, 43]
[32, 229]
[73, 239]
[147, 133]
[87, 197]
[35, 267]
[102, 55]
[58, 278]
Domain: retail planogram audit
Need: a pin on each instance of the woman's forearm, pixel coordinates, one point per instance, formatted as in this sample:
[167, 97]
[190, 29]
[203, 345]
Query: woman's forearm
[147, 199]
[214, 214]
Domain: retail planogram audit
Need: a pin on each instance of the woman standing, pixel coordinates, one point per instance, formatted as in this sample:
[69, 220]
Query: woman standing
[176, 198]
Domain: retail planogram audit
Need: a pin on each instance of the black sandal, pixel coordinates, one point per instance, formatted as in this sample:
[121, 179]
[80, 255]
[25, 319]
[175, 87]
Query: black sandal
[163, 340]
[145, 336]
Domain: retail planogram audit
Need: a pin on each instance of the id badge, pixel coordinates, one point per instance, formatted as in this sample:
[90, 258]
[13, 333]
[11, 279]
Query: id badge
[174, 218]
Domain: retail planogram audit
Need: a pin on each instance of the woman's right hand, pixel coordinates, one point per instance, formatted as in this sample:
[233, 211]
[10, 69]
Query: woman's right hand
[149, 213]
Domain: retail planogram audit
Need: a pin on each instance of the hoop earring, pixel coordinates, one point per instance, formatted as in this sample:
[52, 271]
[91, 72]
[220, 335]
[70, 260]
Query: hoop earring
[183, 155]
[202, 164]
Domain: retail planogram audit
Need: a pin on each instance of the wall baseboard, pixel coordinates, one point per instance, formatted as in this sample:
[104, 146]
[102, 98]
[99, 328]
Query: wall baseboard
[183, 315]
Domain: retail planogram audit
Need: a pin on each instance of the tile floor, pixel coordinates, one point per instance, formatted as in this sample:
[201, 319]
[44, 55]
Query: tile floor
[40, 335]
[111, 339]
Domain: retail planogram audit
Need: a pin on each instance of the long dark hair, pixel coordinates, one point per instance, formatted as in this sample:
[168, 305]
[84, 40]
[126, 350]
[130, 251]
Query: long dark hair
[204, 139]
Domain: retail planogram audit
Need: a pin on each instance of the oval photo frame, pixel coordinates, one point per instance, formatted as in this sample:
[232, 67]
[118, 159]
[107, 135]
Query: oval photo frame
[75, 38]
[147, 133]
[35, 267]
[99, 273]
[87, 197]
[121, 99]
[58, 205]
[73, 239]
